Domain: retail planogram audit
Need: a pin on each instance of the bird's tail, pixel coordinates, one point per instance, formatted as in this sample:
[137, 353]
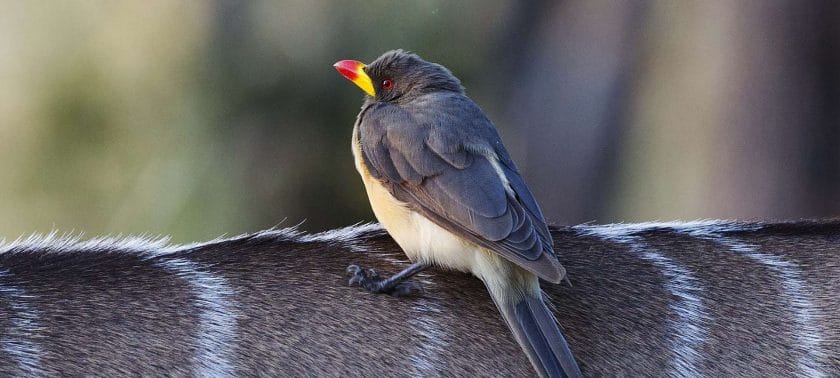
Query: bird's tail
[537, 333]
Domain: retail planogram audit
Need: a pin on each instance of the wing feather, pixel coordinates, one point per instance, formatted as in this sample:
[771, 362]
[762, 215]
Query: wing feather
[444, 165]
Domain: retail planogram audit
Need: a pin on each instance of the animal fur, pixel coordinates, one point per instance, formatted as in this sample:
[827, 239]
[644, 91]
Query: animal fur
[706, 298]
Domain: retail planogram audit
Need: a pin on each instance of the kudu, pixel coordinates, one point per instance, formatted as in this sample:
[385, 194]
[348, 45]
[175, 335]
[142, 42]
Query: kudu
[656, 299]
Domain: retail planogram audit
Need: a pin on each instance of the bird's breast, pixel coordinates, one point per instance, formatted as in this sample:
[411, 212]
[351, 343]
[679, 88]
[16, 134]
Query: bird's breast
[425, 241]
[392, 213]
[421, 239]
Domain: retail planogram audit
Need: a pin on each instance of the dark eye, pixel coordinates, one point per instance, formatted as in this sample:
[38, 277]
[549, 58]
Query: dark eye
[387, 84]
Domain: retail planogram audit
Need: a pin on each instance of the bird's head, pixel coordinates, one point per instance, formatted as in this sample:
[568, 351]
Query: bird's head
[397, 75]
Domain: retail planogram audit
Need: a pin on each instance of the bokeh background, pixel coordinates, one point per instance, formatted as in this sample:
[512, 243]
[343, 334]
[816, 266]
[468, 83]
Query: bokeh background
[201, 118]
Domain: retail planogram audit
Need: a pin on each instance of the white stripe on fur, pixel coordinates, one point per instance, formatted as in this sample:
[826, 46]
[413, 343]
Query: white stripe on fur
[806, 331]
[689, 324]
[216, 320]
[18, 341]
[432, 344]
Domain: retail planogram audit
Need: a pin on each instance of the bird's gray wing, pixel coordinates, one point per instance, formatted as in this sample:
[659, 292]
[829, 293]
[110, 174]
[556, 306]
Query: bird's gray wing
[446, 161]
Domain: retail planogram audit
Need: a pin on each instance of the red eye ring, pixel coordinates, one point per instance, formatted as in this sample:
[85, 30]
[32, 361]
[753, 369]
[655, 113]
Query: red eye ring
[387, 84]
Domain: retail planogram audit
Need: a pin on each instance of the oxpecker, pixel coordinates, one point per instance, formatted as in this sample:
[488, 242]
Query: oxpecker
[445, 188]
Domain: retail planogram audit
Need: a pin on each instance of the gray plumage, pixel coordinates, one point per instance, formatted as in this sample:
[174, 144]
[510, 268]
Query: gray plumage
[434, 149]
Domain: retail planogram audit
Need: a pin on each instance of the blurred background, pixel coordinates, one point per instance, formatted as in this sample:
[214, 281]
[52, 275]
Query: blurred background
[201, 118]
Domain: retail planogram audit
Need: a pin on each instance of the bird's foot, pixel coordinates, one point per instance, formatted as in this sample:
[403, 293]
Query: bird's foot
[371, 281]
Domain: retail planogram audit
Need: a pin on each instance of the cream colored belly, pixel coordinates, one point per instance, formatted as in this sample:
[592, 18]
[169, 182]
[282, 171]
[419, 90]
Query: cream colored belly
[420, 239]
[424, 241]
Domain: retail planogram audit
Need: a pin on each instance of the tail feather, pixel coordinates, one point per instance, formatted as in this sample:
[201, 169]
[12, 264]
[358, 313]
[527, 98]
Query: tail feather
[539, 336]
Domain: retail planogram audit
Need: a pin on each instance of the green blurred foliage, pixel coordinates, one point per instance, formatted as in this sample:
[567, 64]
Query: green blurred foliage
[207, 118]
[196, 119]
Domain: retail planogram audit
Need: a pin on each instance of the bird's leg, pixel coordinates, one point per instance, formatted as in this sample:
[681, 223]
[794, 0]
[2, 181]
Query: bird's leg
[395, 285]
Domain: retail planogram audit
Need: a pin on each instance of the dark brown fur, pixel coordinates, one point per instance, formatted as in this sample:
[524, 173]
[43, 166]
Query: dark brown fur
[111, 310]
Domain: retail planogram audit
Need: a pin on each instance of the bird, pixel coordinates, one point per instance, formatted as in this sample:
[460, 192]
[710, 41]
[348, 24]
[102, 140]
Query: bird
[442, 184]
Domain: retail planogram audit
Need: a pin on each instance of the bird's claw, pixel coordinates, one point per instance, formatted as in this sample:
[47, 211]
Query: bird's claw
[371, 281]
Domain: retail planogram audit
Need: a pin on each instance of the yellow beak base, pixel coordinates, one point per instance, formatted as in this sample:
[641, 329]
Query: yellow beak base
[354, 71]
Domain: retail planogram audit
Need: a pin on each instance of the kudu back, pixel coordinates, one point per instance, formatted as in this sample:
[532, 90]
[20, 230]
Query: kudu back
[672, 299]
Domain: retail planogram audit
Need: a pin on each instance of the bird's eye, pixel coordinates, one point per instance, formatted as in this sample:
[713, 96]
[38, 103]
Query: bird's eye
[387, 84]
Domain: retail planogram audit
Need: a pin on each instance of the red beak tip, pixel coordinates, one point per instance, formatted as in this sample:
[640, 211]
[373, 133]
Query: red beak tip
[347, 68]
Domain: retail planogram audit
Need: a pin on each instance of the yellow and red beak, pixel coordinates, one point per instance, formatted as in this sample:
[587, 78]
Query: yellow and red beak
[354, 71]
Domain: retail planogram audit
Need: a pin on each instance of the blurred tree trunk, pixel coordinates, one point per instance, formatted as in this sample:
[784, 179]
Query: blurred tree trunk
[783, 97]
[572, 69]
[715, 109]
[735, 113]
